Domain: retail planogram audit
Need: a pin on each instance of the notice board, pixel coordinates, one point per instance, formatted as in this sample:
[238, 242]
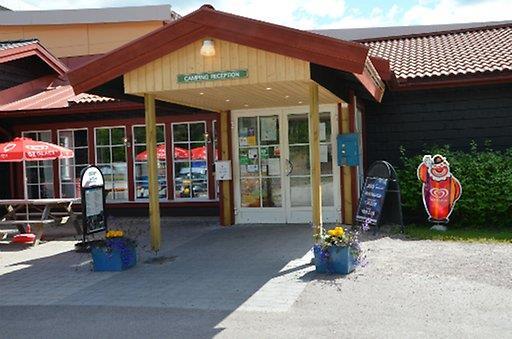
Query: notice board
[371, 202]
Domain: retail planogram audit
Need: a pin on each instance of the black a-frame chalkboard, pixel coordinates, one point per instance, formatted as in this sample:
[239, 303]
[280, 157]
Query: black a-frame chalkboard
[380, 200]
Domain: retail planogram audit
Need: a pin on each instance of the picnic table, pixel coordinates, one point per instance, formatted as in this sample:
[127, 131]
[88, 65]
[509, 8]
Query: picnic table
[47, 212]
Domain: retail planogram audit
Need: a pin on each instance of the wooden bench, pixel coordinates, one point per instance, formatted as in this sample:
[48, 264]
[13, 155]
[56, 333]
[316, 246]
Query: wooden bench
[45, 215]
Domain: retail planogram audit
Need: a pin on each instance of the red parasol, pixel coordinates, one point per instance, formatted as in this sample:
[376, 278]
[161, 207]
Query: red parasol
[26, 149]
[198, 153]
[179, 153]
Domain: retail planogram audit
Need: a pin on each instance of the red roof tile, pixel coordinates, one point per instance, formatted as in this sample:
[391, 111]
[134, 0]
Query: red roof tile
[54, 97]
[483, 50]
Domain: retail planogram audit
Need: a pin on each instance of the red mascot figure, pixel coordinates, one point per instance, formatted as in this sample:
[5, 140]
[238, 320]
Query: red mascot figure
[440, 188]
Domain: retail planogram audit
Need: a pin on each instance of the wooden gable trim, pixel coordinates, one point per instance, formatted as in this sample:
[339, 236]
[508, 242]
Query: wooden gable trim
[34, 49]
[206, 22]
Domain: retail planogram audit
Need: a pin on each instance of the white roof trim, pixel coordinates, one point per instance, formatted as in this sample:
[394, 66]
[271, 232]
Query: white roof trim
[87, 16]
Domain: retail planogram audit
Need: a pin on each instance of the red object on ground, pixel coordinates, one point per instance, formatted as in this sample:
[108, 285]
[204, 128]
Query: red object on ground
[26, 238]
[26, 149]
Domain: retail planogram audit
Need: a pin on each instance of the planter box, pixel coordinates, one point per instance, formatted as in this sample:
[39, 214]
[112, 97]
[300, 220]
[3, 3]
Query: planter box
[118, 255]
[338, 260]
[321, 259]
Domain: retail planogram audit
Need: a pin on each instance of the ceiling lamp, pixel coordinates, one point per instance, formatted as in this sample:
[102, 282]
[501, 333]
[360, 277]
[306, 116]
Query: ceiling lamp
[208, 48]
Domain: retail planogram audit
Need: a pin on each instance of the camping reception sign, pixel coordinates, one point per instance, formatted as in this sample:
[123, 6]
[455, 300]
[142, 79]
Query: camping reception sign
[441, 189]
[212, 76]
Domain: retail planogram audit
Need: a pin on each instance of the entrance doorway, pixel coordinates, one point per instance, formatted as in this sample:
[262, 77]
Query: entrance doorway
[272, 175]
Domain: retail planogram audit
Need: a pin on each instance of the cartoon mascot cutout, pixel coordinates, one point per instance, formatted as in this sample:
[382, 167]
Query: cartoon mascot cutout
[440, 188]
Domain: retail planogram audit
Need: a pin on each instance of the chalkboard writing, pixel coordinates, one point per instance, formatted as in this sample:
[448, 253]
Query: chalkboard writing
[372, 200]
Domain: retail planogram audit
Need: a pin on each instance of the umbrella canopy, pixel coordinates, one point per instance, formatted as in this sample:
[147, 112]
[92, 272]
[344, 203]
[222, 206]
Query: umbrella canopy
[179, 153]
[198, 153]
[26, 149]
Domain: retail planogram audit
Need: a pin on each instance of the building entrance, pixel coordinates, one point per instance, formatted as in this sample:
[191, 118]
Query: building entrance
[271, 165]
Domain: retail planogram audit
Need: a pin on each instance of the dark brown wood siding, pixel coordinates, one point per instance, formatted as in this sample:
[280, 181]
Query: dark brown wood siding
[450, 116]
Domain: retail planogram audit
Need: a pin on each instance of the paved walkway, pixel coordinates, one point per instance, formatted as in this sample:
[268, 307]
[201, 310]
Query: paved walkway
[256, 281]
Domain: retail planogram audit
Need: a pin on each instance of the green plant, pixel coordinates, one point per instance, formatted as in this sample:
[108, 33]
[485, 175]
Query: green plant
[486, 178]
[342, 237]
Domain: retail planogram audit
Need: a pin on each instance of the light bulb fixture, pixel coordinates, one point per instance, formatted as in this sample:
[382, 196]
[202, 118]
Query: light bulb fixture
[208, 48]
[126, 142]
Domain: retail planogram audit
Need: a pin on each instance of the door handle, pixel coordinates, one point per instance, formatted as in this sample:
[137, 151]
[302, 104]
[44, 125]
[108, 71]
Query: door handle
[290, 168]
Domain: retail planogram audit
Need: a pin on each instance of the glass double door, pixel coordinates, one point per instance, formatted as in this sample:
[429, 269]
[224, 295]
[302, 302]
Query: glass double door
[272, 166]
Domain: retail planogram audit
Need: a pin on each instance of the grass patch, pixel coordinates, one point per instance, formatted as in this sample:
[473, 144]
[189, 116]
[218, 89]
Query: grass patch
[460, 234]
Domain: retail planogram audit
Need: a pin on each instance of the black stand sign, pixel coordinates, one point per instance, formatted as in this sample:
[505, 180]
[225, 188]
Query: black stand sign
[372, 200]
[94, 218]
[380, 200]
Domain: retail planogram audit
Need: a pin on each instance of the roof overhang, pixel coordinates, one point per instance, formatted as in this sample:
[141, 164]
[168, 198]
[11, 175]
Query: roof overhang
[206, 22]
[34, 49]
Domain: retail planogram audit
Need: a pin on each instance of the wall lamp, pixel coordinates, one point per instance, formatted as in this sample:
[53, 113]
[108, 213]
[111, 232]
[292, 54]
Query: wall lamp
[208, 48]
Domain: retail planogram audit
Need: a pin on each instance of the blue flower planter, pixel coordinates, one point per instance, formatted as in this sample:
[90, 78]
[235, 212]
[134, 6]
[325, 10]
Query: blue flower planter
[321, 259]
[118, 255]
[341, 260]
[334, 260]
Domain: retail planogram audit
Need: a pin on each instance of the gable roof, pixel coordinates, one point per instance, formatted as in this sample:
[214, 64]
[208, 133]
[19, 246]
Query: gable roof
[207, 22]
[18, 49]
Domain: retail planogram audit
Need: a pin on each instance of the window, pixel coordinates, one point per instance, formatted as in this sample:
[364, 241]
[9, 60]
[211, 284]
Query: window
[39, 174]
[190, 160]
[70, 169]
[140, 157]
[111, 160]
[259, 159]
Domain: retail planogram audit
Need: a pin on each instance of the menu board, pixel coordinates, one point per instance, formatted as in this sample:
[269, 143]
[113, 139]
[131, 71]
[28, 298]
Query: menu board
[94, 218]
[93, 200]
[372, 200]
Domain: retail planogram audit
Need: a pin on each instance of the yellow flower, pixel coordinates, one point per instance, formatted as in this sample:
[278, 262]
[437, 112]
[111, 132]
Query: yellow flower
[114, 234]
[336, 232]
[339, 231]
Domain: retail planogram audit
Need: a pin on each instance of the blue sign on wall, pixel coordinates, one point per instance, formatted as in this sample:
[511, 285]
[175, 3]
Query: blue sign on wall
[348, 149]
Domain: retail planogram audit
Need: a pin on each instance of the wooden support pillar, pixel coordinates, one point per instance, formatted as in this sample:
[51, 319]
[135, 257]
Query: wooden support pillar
[348, 173]
[347, 210]
[154, 207]
[226, 204]
[314, 142]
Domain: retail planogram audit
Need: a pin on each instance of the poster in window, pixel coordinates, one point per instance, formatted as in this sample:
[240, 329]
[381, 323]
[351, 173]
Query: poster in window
[274, 166]
[268, 128]
[253, 153]
[324, 153]
[251, 140]
[322, 131]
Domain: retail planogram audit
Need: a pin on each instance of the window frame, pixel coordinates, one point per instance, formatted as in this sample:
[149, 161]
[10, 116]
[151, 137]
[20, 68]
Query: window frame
[39, 183]
[74, 147]
[113, 201]
[189, 142]
[135, 162]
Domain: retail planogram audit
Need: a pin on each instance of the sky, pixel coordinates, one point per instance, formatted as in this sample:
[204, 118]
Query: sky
[319, 14]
